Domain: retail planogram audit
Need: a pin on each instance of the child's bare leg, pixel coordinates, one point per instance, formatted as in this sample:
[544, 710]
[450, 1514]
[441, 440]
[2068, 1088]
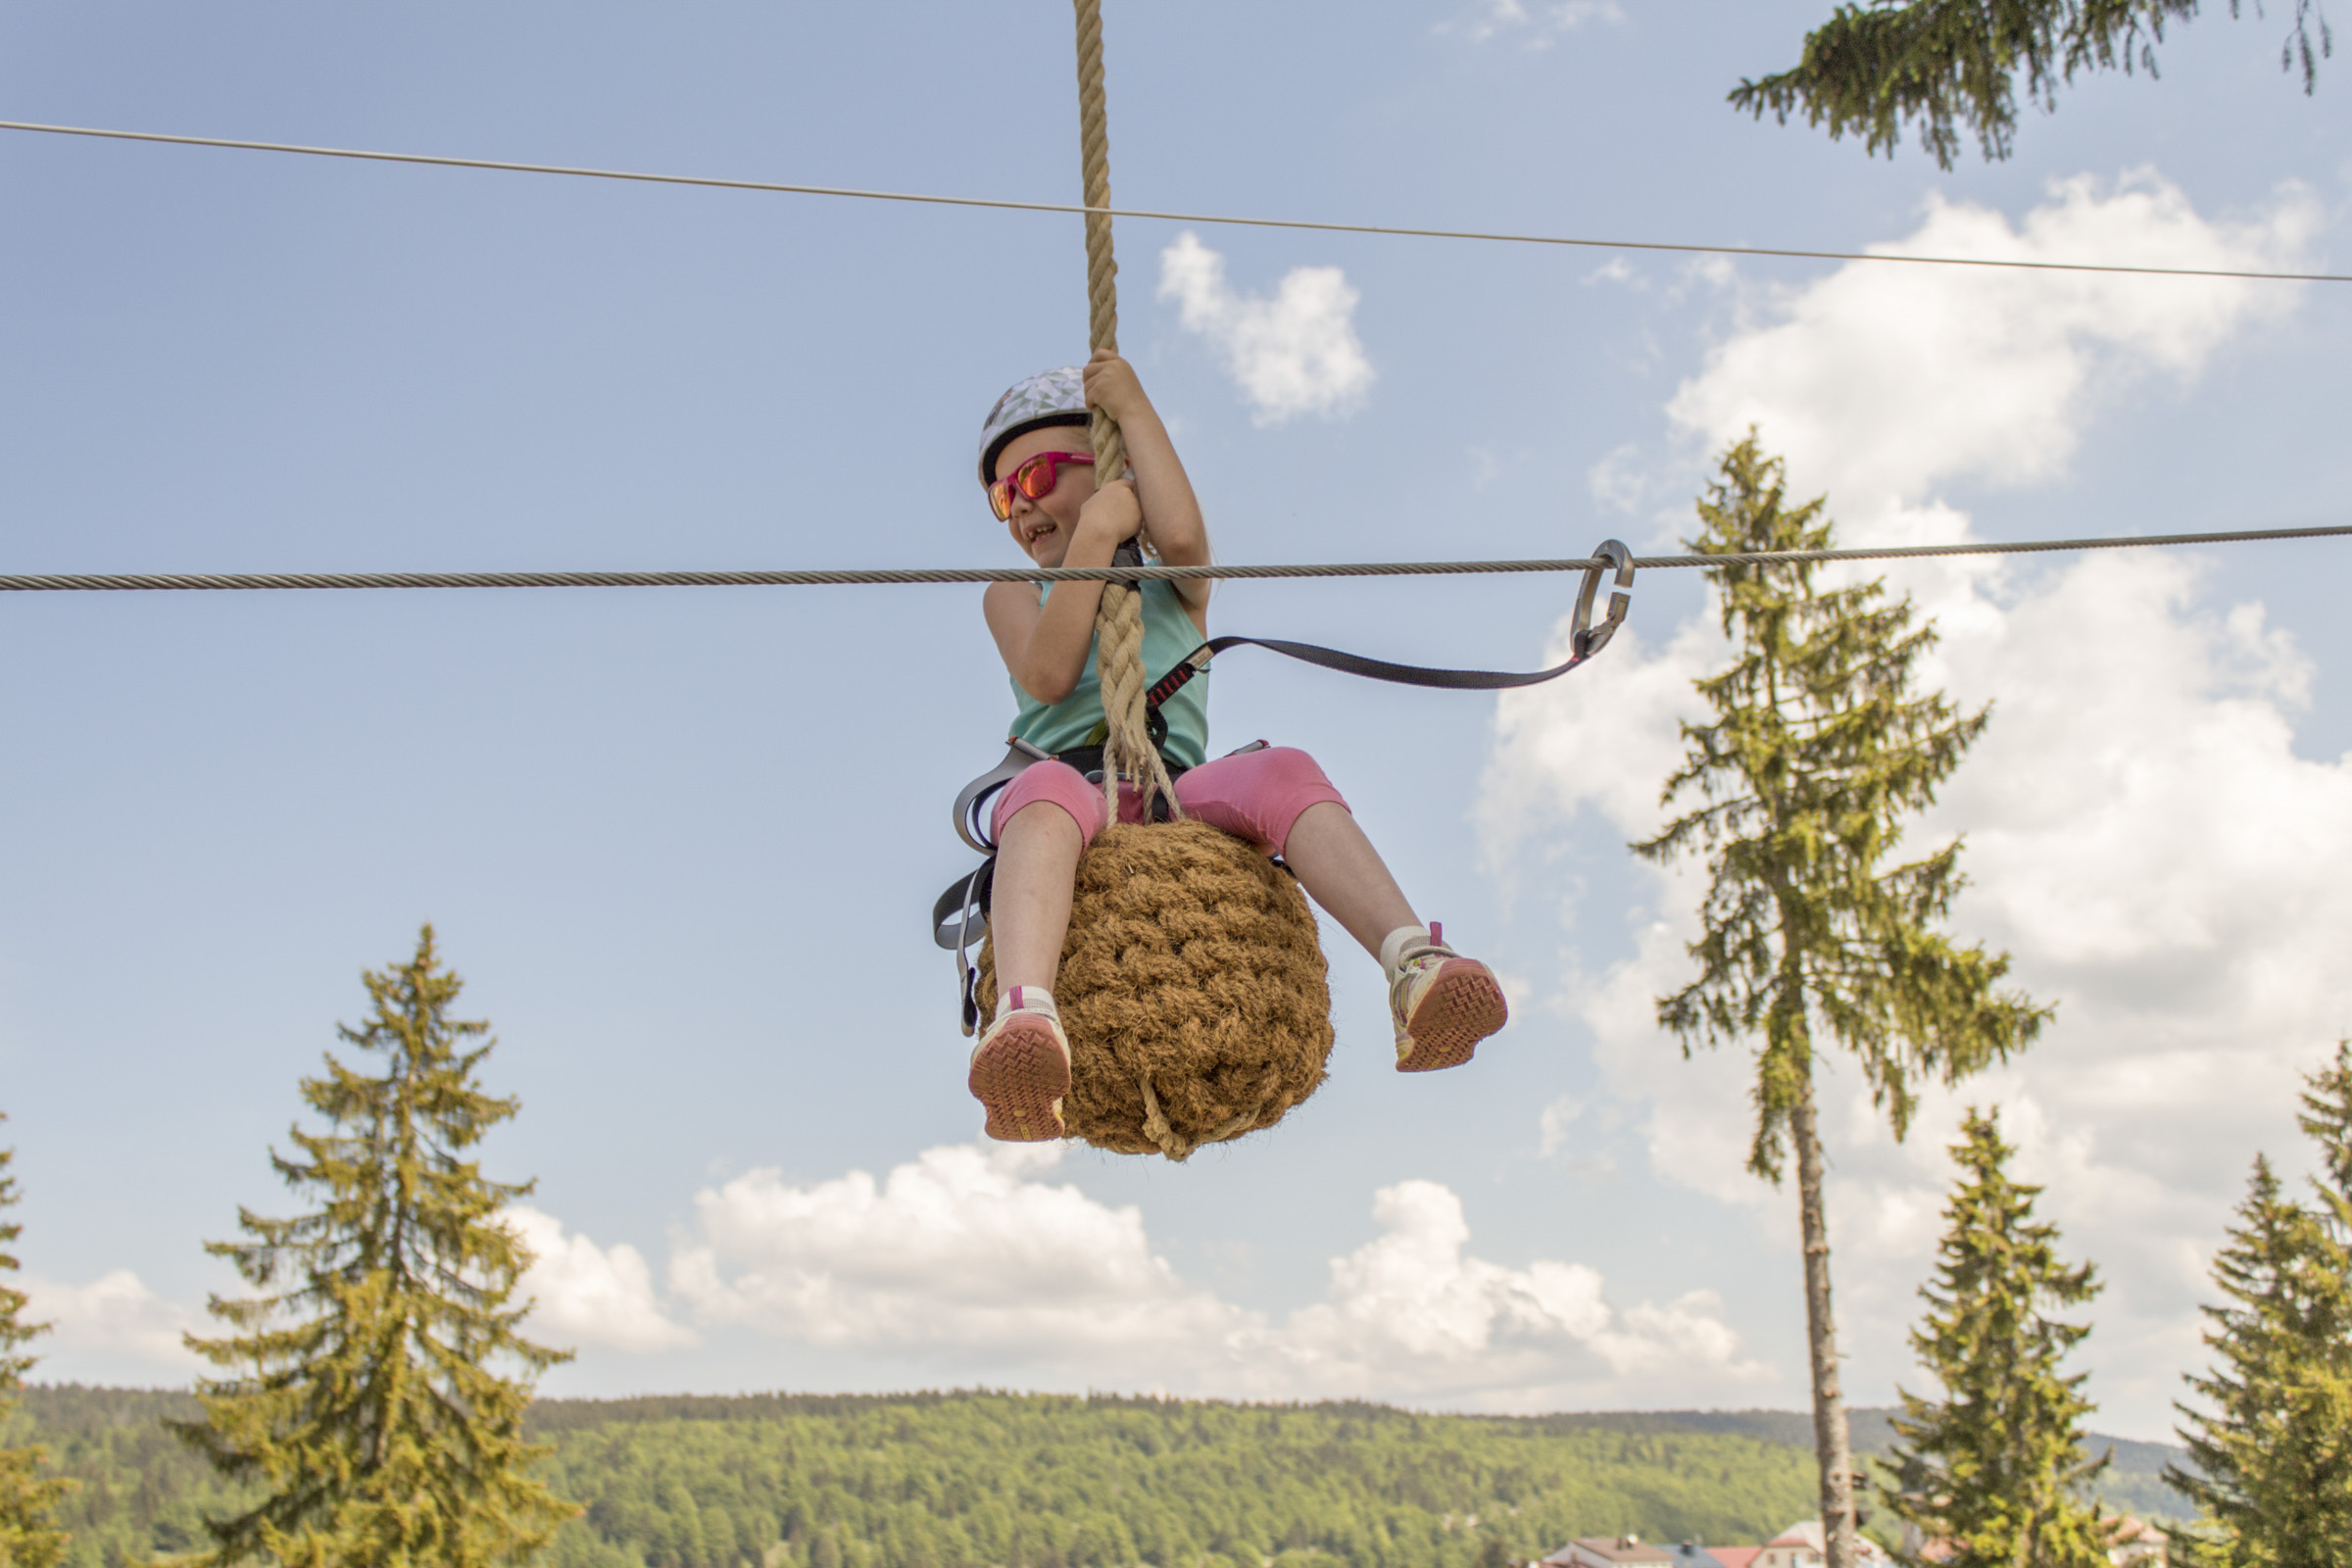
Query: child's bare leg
[1021, 1067]
[1029, 910]
[1443, 1004]
[1341, 871]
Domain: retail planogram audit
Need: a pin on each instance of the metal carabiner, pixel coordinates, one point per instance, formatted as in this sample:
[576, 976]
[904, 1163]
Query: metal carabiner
[1587, 639]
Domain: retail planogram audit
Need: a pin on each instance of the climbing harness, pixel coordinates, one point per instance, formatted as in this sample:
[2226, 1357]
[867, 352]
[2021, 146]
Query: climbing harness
[960, 915]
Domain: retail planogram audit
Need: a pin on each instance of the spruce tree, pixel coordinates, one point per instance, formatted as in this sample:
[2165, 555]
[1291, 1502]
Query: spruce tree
[364, 1391]
[2271, 1450]
[28, 1539]
[1996, 1467]
[1948, 63]
[2326, 1118]
[1818, 751]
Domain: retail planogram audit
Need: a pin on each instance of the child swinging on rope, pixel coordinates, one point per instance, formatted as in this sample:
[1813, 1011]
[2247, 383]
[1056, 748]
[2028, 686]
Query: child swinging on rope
[1041, 483]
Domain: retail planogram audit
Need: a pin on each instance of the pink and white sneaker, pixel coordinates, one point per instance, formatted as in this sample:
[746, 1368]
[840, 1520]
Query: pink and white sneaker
[1021, 1068]
[1441, 1004]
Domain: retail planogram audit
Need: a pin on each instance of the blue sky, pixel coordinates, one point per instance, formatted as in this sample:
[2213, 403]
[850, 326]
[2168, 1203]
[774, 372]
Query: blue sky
[682, 843]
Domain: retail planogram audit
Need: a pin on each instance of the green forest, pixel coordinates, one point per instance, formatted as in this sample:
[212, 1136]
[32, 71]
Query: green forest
[938, 1480]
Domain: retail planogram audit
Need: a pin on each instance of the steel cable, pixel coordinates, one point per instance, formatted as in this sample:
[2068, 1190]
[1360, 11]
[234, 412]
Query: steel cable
[118, 582]
[783, 188]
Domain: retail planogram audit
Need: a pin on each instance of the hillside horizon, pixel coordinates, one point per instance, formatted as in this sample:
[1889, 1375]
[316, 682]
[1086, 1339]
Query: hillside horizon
[955, 1477]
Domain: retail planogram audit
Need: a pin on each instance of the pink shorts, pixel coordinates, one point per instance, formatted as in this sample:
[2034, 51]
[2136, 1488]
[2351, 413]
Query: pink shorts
[1250, 795]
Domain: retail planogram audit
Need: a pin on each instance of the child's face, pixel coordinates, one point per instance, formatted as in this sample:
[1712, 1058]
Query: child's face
[1045, 527]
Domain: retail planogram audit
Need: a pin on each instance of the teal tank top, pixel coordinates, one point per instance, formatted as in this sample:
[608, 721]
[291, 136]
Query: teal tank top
[1168, 635]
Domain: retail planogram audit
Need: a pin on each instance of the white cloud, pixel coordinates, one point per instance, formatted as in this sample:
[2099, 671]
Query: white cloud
[1296, 352]
[956, 1250]
[964, 1261]
[584, 1294]
[2143, 838]
[1410, 1312]
[1553, 1123]
[1619, 480]
[1880, 382]
[115, 1316]
[1532, 26]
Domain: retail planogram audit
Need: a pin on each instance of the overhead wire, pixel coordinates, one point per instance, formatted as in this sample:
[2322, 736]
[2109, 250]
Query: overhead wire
[217, 581]
[1228, 219]
[117, 582]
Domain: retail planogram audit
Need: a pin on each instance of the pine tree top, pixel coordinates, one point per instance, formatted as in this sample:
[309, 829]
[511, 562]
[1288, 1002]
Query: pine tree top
[363, 1384]
[1996, 1466]
[28, 1537]
[1951, 64]
[1819, 749]
[2326, 1117]
[2269, 1439]
[15, 1331]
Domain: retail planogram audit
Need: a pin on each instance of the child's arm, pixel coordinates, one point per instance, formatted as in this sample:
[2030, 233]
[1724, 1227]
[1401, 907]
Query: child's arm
[1170, 508]
[1045, 645]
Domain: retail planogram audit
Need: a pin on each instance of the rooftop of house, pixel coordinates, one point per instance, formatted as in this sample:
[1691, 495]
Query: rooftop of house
[1806, 1534]
[1612, 1550]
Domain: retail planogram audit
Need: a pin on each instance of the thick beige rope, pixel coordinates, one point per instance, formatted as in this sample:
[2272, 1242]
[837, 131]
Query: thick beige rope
[1179, 1147]
[1127, 748]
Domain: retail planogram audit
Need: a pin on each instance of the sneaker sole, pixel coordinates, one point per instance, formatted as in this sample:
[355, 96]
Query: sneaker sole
[1463, 1007]
[1021, 1077]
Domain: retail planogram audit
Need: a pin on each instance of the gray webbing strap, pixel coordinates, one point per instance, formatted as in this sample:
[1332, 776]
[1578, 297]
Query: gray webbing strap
[969, 827]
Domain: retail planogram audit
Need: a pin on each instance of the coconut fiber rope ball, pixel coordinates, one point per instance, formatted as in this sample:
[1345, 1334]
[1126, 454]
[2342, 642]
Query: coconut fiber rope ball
[1193, 990]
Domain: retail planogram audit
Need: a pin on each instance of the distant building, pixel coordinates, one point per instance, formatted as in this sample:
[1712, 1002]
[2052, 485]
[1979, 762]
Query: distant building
[1611, 1552]
[2131, 1544]
[1792, 1548]
[1802, 1545]
[1689, 1554]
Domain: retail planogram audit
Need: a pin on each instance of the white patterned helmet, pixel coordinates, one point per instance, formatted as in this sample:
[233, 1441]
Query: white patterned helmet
[1049, 397]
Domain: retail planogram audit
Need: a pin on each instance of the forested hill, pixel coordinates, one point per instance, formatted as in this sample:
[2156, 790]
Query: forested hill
[946, 1480]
